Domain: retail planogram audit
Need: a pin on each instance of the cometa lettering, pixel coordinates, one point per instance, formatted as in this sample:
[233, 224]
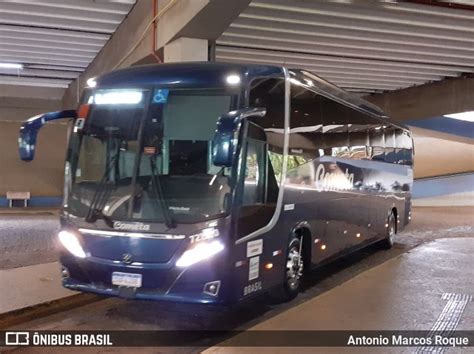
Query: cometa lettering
[131, 226]
[333, 180]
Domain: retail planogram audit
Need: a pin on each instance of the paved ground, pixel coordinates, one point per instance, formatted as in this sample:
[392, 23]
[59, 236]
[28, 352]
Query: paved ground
[29, 286]
[394, 295]
[27, 239]
[428, 224]
[455, 199]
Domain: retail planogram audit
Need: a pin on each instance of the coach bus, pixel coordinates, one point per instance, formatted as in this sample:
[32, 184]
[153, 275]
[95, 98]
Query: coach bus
[213, 182]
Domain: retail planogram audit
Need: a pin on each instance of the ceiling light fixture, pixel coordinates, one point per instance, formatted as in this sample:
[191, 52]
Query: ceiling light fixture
[11, 66]
[466, 116]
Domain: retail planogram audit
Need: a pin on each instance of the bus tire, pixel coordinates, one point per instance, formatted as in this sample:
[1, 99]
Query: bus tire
[293, 273]
[389, 240]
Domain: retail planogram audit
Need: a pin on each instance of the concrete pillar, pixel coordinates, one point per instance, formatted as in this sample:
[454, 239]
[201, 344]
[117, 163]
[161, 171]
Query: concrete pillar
[186, 49]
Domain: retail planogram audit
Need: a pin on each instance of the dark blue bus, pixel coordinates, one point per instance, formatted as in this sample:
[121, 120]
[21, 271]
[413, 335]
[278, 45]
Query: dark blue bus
[212, 183]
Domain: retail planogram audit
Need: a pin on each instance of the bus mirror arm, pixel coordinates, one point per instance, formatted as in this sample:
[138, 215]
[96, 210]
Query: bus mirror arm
[225, 141]
[29, 131]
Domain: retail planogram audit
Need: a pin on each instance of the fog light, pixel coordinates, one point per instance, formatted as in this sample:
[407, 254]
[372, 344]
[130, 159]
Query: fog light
[212, 288]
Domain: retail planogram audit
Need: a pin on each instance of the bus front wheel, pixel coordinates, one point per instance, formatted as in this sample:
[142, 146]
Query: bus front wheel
[391, 226]
[293, 273]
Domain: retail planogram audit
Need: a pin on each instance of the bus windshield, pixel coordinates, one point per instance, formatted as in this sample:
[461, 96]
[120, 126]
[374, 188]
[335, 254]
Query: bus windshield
[146, 156]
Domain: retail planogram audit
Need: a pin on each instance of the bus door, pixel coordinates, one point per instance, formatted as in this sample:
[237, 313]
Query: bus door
[255, 206]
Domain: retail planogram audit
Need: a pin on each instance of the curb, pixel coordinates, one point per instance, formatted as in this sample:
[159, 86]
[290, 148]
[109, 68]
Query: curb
[16, 317]
[17, 212]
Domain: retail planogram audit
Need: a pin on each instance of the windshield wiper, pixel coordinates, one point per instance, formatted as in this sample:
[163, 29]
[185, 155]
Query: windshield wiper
[100, 197]
[155, 181]
[97, 213]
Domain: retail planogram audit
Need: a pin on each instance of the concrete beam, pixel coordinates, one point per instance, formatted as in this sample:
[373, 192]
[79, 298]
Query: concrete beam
[18, 103]
[121, 42]
[31, 92]
[18, 109]
[186, 49]
[209, 22]
[200, 19]
[429, 100]
[435, 155]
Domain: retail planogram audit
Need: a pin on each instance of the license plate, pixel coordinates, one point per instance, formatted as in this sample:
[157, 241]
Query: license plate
[131, 280]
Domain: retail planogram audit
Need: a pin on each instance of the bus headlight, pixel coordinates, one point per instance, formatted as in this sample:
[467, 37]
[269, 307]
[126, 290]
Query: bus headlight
[71, 243]
[202, 251]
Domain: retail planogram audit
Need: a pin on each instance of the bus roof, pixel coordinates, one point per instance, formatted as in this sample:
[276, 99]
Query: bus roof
[326, 87]
[214, 74]
[193, 74]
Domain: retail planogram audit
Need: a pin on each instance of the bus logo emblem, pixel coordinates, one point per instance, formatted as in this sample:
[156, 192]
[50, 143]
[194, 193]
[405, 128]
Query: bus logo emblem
[127, 258]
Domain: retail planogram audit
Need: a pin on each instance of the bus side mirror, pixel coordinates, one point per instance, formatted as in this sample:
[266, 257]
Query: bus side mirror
[226, 137]
[29, 131]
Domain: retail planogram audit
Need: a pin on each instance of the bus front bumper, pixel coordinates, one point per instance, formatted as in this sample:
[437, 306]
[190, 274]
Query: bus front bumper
[202, 283]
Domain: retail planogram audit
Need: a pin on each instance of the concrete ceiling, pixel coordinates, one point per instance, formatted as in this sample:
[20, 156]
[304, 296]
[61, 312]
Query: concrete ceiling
[55, 40]
[364, 47]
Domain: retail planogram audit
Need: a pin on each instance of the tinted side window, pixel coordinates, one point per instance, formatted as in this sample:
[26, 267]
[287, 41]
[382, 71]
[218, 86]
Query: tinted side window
[270, 94]
[359, 128]
[391, 153]
[335, 129]
[347, 130]
[377, 142]
[306, 134]
[404, 147]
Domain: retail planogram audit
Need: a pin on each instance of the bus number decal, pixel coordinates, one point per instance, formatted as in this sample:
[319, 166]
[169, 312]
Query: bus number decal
[254, 248]
[288, 207]
[254, 267]
[251, 288]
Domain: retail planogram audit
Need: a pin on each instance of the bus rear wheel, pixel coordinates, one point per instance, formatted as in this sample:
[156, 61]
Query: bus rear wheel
[293, 273]
[389, 240]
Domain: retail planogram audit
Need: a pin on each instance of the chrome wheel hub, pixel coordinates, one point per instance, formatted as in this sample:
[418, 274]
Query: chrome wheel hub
[391, 231]
[294, 268]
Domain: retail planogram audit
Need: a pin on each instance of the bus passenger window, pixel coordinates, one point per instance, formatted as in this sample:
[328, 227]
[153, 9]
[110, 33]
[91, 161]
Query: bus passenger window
[377, 142]
[358, 152]
[390, 145]
[341, 152]
[358, 143]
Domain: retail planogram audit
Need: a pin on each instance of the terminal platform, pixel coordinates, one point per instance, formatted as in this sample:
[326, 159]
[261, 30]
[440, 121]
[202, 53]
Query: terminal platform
[409, 292]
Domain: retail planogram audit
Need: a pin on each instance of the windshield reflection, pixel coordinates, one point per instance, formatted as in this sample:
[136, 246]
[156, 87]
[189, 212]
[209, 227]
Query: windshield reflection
[149, 160]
